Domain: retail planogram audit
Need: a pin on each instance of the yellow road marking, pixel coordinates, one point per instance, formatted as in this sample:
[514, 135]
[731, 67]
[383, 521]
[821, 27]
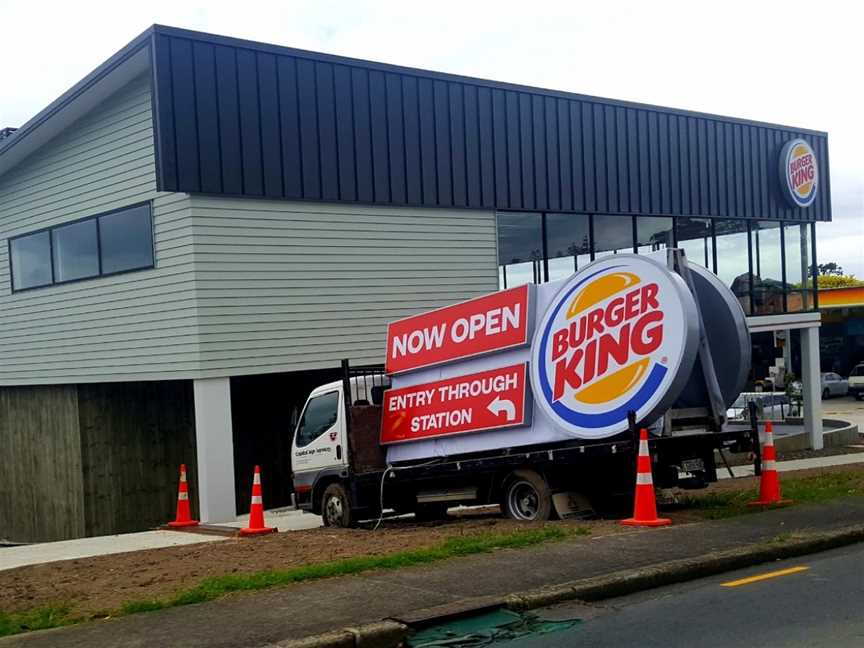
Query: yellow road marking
[761, 577]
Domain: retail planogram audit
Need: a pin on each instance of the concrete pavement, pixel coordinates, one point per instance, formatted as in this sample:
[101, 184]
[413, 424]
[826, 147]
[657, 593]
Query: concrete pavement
[310, 608]
[845, 408]
[45, 552]
[795, 464]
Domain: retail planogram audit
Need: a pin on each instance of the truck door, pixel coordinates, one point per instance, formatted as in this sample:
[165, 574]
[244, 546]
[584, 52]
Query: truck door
[319, 442]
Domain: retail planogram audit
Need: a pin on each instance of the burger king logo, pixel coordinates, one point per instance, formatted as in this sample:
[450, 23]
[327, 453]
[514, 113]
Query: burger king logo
[620, 335]
[799, 172]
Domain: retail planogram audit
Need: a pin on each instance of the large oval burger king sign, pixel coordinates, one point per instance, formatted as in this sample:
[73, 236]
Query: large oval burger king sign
[620, 335]
[799, 172]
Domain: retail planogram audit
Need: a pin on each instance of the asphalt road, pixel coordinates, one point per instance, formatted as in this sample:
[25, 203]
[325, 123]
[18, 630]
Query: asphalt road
[813, 601]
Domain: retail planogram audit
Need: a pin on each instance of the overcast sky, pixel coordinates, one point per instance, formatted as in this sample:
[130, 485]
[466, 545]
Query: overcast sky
[794, 63]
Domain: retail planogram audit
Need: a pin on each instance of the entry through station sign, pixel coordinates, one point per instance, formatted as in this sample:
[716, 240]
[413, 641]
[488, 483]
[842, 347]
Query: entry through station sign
[487, 400]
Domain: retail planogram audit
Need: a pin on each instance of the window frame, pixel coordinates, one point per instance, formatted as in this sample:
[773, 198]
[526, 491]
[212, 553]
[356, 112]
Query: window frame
[12, 264]
[50, 230]
[338, 393]
[809, 283]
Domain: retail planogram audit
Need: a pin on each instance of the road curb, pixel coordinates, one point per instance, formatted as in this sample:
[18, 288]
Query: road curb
[630, 581]
[379, 634]
[391, 632]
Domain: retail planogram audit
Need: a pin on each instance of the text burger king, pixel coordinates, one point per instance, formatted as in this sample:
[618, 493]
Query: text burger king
[616, 337]
[799, 172]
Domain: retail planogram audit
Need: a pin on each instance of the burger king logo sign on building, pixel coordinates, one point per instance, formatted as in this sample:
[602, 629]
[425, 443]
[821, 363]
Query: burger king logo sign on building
[799, 172]
[620, 335]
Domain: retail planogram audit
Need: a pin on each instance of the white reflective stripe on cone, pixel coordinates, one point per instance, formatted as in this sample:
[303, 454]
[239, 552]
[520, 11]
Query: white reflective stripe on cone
[643, 479]
[769, 464]
[257, 478]
[182, 496]
[182, 476]
[643, 448]
[256, 499]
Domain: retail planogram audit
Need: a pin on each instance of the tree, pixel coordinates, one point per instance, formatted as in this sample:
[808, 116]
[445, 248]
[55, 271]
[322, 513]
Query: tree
[824, 281]
[830, 269]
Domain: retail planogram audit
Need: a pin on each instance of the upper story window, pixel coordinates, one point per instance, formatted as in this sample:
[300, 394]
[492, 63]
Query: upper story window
[118, 241]
[766, 264]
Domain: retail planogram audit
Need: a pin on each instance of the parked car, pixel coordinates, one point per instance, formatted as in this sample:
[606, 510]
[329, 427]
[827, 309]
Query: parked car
[856, 381]
[832, 384]
[773, 406]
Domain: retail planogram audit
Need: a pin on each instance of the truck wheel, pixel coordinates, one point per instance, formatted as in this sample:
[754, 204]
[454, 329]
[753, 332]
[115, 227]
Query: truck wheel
[527, 497]
[336, 507]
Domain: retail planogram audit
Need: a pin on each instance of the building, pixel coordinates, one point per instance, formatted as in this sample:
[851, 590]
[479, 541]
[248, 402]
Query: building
[198, 231]
[842, 339]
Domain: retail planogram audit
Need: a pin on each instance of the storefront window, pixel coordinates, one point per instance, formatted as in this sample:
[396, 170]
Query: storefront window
[612, 235]
[732, 259]
[767, 268]
[694, 237]
[653, 234]
[567, 244]
[799, 295]
[520, 249]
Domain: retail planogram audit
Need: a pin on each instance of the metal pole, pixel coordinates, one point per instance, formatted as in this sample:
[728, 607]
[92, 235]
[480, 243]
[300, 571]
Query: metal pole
[754, 436]
[346, 393]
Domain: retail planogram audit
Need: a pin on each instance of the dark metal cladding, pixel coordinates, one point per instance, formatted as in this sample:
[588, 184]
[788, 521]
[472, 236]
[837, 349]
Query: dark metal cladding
[248, 119]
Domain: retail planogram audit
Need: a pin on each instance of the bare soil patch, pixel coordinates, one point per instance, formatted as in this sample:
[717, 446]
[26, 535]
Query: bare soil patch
[96, 586]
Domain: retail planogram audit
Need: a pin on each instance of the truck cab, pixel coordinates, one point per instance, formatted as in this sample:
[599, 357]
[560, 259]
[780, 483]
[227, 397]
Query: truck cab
[323, 471]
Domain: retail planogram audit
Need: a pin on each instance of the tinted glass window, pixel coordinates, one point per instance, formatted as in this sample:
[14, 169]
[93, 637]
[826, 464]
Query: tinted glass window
[31, 260]
[797, 244]
[76, 251]
[127, 240]
[767, 268]
[694, 237]
[857, 371]
[653, 234]
[318, 417]
[732, 260]
[612, 235]
[520, 249]
[568, 244]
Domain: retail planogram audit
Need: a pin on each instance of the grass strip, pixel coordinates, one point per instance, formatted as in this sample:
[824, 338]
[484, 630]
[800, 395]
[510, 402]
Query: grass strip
[41, 618]
[814, 489]
[217, 586]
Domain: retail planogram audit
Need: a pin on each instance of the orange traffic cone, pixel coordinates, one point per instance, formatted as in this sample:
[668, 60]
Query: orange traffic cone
[256, 511]
[184, 513]
[645, 509]
[769, 485]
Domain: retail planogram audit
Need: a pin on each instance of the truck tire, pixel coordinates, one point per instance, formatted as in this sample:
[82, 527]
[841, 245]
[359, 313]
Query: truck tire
[336, 507]
[526, 497]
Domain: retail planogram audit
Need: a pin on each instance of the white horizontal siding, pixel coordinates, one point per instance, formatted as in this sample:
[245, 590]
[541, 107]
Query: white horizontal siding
[135, 326]
[241, 286]
[283, 286]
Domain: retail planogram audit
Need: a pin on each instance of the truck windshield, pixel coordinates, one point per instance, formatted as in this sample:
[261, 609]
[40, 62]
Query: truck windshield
[858, 371]
[318, 417]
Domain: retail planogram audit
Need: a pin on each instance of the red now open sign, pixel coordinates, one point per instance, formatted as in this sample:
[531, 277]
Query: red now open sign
[487, 400]
[474, 327]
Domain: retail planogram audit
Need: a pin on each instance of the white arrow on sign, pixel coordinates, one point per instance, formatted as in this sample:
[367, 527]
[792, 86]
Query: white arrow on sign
[501, 405]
